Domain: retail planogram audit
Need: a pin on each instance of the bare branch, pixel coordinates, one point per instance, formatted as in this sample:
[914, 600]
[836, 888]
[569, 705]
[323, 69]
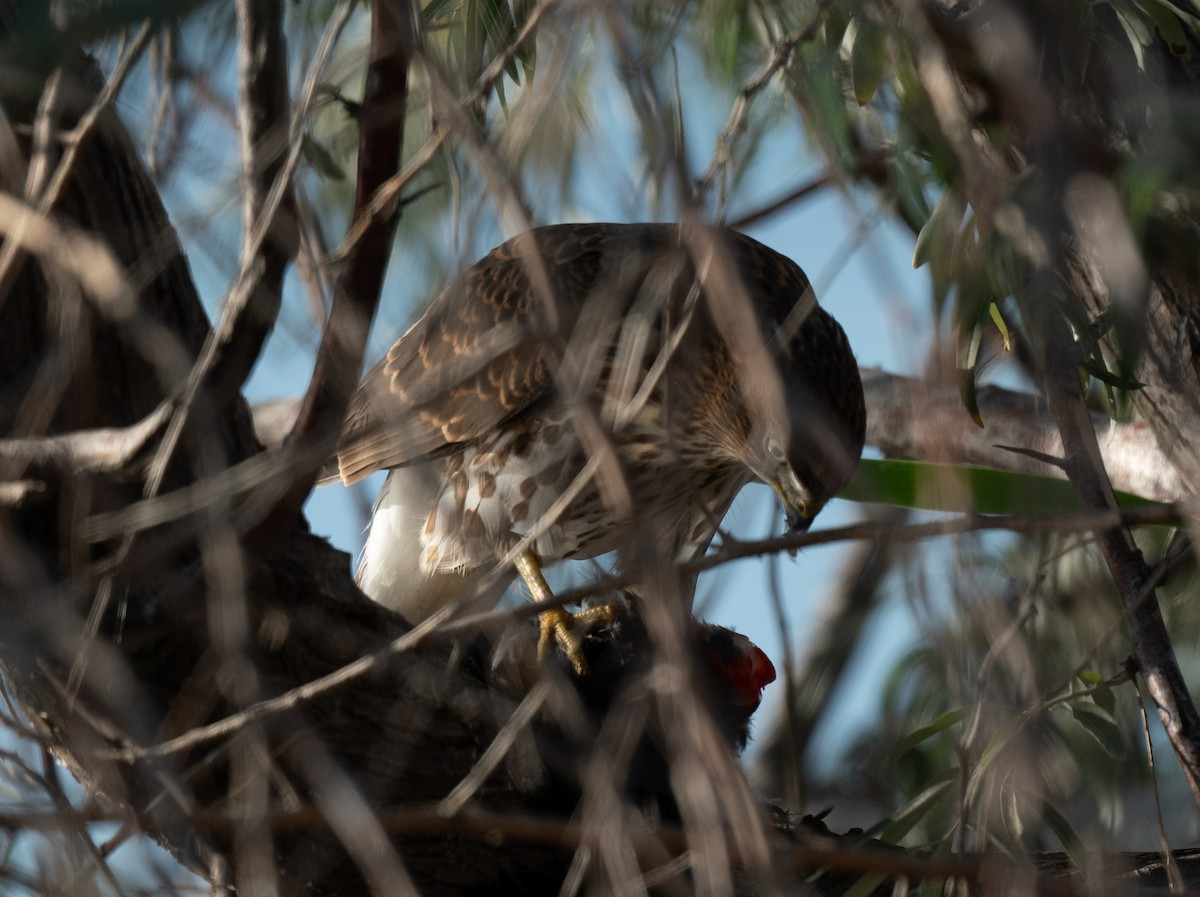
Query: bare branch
[910, 419]
[80, 453]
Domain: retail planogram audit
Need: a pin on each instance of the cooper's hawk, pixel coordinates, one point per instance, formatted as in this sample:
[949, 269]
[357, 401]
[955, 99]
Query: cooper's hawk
[649, 370]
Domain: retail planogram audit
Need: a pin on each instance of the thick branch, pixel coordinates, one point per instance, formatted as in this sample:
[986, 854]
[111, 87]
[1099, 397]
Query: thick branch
[910, 419]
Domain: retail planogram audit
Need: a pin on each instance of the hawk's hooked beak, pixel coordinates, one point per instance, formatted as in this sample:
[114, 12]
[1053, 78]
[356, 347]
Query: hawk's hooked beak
[799, 505]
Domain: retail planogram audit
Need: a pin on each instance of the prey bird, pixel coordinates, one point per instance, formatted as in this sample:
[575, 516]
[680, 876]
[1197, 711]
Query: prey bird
[580, 380]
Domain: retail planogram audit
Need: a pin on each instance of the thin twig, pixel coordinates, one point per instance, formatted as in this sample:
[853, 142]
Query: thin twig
[436, 628]
[781, 55]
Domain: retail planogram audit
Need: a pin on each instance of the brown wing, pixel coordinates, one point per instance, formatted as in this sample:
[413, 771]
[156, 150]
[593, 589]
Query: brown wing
[481, 354]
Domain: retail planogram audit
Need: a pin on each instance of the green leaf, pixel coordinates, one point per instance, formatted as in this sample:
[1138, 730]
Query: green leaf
[912, 739]
[906, 818]
[436, 9]
[321, 159]
[998, 320]
[1066, 836]
[1136, 30]
[500, 29]
[832, 32]
[1010, 810]
[867, 59]
[1097, 368]
[910, 192]
[527, 54]
[1101, 727]
[965, 488]
[1105, 699]
[1170, 28]
[970, 338]
[1099, 691]
[942, 224]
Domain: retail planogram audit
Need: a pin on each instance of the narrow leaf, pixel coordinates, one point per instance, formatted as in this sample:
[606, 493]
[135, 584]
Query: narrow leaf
[1169, 27]
[1100, 371]
[1102, 728]
[942, 222]
[912, 739]
[1105, 699]
[907, 817]
[998, 320]
[969, 341]
[321, 159]
[867, 57]
[1055, 821]
[965, 488]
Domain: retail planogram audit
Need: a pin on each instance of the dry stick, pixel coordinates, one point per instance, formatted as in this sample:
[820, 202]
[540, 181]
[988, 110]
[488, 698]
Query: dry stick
[357, 288]
[73, 822]
[456, 801]
[231, 350]
[81, 452]
[715, 790]
[269, 242]
[1169, 864]
[500, 828]
[873, 165]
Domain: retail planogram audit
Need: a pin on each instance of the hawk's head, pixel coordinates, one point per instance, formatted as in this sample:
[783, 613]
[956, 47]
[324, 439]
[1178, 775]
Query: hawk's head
[802, 410]
[808, 452]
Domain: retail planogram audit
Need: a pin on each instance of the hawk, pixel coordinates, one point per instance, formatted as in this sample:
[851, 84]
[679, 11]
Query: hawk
[580, 379]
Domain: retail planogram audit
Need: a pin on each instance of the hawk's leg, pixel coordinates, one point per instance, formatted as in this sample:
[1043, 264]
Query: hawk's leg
[556, 622]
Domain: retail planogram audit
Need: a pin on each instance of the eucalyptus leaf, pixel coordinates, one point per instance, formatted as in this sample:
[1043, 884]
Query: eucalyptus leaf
[998, 320]
[906, 818]
[940, 227]
[321, 158]
[1169, 26]
[1098, 369]
[912, 739]
[964, 488]
[970, 338]
[867, 59]
[1058, 824]
[1101, 727]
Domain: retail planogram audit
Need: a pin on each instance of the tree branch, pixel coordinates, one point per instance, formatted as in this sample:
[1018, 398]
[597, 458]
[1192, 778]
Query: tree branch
[356, 290]
[910, 419]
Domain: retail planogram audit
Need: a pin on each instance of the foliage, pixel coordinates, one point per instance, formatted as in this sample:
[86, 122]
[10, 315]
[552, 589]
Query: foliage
[1041, 161]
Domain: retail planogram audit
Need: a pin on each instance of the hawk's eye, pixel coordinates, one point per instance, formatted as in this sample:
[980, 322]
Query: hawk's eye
[775, 450]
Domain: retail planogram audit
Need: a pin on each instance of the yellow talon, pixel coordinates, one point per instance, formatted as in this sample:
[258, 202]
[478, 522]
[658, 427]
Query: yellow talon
[555, 622]
[556, 625]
